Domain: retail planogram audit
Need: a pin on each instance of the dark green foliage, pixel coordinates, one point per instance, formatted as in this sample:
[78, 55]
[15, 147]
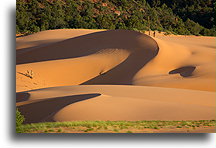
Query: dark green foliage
[22, 17]
[19, 120]
[202, 12]
[179, 17]
[193, 27]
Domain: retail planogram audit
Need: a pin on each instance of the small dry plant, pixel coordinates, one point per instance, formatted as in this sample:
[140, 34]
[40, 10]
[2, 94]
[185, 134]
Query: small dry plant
[28, 74]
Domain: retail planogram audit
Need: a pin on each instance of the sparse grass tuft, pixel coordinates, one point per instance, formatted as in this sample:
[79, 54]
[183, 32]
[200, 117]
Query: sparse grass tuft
[116, 130]
[89, 129]
[156, 127]
[59, 130]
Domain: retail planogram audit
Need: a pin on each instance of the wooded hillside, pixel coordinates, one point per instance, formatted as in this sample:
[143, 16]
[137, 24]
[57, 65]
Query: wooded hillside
[180, 17]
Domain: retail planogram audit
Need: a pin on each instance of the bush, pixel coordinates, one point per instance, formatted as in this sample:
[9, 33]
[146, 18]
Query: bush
[19, 120]
[167, 33]
[193, 27]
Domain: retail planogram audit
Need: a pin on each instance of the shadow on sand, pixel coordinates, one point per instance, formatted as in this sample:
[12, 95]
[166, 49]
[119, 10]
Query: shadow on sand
[185, 71]
[43, 111]
[22, 96]
[123, 73]
[84, 45]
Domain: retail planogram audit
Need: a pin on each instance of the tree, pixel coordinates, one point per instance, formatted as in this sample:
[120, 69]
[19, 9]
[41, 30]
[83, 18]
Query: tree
[193, 27]
[181, 17]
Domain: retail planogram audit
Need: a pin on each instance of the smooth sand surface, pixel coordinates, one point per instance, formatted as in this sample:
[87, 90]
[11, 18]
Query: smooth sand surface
[46, 37]
[108, 75]
[113, 102]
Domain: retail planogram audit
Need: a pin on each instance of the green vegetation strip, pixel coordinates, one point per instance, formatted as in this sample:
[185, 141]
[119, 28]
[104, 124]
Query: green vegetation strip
[110, 126]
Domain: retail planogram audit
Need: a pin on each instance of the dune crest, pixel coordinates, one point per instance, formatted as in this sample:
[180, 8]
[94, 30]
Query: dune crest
[47, 37]
[114, 57]
[76, 63]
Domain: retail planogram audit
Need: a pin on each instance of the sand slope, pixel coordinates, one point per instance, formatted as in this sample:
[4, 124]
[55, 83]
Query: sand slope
[116, 57]
[114, 102]
[108, 66]
[172, 56]
[70, 62]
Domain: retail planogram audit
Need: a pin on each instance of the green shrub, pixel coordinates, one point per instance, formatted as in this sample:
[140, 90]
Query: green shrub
[19, 120]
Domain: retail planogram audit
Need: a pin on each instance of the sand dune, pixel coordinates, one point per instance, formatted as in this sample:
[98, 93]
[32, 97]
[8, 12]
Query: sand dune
[70, 62]
[43, 110]
[117, 102]
[117, 57]
[121, 60]
[173, 56]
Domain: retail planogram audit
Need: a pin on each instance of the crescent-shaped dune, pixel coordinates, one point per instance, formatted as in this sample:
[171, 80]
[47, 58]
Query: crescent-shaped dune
[107, 66]
[77, 60]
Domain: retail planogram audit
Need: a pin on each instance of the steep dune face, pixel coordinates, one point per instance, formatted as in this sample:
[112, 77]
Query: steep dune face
[89, 44]
[115, 57]
[69, 71]
[169, 57]
[77, 60]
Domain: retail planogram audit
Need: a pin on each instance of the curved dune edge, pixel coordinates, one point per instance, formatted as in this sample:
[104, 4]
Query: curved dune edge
[69, 71]
[104, 64]
[126, 51]
[47, 37]
[174, 56]
[118, 102]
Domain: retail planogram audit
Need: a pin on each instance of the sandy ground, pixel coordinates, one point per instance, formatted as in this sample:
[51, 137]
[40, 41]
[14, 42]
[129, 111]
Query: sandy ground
[113, 102]
[115, 75]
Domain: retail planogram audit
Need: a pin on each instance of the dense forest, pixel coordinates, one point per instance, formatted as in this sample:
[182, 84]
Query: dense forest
[186, 17]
